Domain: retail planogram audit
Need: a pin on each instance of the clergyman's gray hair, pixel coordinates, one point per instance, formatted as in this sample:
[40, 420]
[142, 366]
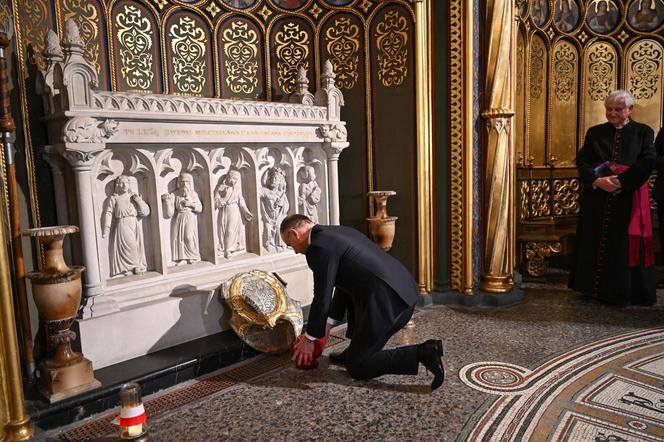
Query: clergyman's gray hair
[621, 96]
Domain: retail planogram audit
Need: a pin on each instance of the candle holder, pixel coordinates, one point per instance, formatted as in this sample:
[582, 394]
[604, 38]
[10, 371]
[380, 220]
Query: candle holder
[133, 418]
[382, 227]
[57, 294]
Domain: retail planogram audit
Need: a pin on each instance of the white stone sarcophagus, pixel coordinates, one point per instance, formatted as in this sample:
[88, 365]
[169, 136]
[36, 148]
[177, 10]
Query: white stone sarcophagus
[174, 195]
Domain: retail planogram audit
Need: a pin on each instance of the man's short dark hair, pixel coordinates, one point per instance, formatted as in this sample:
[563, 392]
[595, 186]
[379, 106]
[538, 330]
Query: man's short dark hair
[293, 222]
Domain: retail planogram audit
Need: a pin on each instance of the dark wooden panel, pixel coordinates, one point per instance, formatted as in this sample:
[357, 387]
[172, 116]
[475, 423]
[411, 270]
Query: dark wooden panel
[342, 41]
[394, 132]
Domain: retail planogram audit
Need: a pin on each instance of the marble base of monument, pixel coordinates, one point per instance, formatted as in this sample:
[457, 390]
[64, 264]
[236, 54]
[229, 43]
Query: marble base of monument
[60, 383]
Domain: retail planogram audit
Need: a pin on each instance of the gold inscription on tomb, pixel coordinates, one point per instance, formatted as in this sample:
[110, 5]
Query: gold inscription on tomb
[188, 52]
[241, 61]
[135, 37]
[391, 39]
[292, 49]
[343, 46]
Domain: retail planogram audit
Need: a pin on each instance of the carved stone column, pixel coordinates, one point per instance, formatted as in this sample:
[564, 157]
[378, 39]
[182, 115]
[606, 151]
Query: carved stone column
[82, 161]
[57, 164]
[498, 262]
[333, 150]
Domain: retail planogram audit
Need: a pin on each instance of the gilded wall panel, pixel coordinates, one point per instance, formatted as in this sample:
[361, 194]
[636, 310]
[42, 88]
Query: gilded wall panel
[189, 55]
[89, 16]
[242, 71]
[563, 92]
[537, 87]
[35, 21]
[644, 68]
[134, 40]
[520, 111]
[291, 45]
[391, 40]
[600, 76]
[393, 107]
[342, 44]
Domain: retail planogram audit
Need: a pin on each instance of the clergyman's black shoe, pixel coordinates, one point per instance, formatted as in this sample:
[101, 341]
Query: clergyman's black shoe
[431, 355]
[338, 358]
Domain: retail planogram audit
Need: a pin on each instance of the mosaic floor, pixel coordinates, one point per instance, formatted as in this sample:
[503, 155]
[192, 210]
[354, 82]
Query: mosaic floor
[558, 367]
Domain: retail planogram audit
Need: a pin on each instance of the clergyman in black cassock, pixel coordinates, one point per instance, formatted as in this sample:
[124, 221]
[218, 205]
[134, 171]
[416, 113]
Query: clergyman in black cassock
[376, 290]
[613, 261]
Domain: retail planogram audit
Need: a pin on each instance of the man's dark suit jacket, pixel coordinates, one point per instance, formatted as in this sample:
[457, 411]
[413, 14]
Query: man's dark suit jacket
[658, 190]
[344, 258]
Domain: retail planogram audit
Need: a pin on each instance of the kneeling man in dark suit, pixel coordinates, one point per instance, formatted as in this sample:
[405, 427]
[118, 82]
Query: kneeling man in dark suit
[376, 290]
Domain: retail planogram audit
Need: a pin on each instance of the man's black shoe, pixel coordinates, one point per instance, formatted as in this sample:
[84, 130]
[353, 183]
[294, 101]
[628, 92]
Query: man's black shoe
[338, 357]
[431, 355]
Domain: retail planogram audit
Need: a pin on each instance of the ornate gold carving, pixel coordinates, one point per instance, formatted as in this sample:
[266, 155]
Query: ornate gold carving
[564, 62]
[241, 58]
[524, 200]
[213, 9]
[135, 37]
[566, 197]
[391, 39]
[343, 46]
[645, 61]
[519, 66]
[366, 5]
[271, 309]
[34, 18]
[87, 18]
[539, 198]
[537, 52]
[292, 49]
[315, 10]
[601, 66]
[188, 46]
[265, 12]
[456, 145]
[536, 254]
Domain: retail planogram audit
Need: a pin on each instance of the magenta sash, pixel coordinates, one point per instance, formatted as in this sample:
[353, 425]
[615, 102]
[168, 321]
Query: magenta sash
[640, 224]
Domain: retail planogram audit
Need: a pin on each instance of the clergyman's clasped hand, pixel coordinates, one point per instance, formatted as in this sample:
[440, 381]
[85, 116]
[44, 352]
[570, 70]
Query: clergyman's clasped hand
[609, 184]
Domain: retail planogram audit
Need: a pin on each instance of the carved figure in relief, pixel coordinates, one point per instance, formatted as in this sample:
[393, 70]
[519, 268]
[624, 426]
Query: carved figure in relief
[309, 193]
[185, 205]
[233, 214]
[120, 216]
[274, 208]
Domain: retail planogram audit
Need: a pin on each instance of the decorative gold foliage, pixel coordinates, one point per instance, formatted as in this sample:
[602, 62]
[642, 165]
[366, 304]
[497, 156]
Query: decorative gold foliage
[564, 62]
[241, 58]
[566, 197]
[343, 46]
[135, 36]
[537, 52]
[391, 39]
[645, 63]
[34, 24]
[87, 18]
[189, 52]
[601, 67]
[292, 49]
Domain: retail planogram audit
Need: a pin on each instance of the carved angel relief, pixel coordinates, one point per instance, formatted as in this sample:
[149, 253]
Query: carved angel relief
[309, 193]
